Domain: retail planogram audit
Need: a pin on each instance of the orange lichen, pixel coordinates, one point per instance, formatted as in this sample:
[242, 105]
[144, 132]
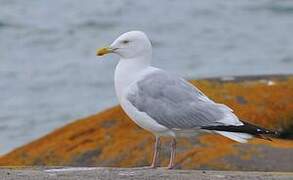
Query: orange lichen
[110, 138]
[268, 105]
[213, 147]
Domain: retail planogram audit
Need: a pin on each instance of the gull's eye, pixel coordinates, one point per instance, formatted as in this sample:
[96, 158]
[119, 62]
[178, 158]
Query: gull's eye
[125, 42]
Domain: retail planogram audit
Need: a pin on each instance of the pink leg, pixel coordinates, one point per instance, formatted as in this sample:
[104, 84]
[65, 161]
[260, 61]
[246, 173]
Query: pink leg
[173, 152]
[156, 152]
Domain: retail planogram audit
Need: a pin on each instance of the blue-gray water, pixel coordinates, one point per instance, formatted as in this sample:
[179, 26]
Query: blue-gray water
[49, 74]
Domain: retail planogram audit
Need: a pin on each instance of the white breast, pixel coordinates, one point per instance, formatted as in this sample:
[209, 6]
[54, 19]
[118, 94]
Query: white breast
[144, 121]
[126, 74]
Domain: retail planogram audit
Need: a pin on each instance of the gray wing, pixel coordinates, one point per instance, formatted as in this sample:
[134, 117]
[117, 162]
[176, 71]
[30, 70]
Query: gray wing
[175, 103]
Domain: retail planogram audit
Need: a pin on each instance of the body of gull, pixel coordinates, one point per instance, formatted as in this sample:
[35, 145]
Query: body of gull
[167, 105]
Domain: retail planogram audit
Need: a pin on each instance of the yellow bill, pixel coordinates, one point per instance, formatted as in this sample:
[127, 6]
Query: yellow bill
[103, 51]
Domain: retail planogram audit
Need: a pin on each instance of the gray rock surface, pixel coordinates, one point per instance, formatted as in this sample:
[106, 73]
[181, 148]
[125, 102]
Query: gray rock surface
[91, 173]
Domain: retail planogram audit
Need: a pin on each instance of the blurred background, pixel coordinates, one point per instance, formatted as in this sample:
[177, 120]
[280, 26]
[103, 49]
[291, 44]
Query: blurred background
[49, 74]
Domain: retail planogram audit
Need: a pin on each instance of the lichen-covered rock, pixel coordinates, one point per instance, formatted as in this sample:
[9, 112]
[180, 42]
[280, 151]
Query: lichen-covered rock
[110, 138]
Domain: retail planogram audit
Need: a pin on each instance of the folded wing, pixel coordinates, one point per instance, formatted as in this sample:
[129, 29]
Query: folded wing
[176, 104]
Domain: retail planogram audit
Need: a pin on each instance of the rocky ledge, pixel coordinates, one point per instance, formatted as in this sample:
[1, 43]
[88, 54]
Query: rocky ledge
[135, 173]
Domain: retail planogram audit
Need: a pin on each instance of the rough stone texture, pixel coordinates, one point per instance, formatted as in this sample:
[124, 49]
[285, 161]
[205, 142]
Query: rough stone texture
[137, 174]
[110, 138]
[269, 157]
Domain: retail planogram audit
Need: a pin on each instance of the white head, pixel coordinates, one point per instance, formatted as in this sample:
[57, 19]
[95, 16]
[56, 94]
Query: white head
[129, 45]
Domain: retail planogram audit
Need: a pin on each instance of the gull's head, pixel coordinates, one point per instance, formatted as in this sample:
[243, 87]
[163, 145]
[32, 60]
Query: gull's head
[129, 45]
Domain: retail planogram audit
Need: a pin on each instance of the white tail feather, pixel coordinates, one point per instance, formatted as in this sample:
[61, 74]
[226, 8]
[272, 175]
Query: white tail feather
[239, 137]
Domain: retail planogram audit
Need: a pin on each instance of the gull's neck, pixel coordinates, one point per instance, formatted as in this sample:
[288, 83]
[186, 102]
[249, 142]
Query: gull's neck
[128, 70]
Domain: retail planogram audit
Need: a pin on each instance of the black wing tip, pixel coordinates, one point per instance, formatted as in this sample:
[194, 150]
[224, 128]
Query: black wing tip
[272, 132]
[266, 131]
[260, 130]
[267, 135]
[245, 128]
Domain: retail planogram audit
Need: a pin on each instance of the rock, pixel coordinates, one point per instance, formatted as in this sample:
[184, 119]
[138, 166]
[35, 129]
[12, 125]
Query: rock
[134, 173]
[110, 138]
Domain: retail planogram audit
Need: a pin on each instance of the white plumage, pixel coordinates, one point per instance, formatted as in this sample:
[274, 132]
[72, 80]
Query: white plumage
[162, 103]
